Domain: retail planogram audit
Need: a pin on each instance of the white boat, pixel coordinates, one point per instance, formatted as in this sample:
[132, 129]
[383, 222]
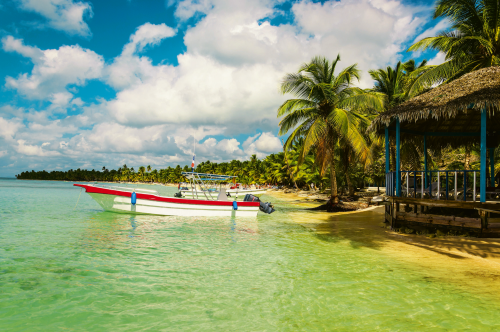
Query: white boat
[127, 200]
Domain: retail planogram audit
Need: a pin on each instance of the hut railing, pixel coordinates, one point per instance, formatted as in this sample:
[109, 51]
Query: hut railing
[458, 185]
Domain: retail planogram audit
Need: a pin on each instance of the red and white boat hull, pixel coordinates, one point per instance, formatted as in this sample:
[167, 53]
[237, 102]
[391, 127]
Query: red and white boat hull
[120, 201]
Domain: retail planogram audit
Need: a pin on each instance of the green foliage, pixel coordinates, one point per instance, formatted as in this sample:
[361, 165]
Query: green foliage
[472, 42]
[327, 117]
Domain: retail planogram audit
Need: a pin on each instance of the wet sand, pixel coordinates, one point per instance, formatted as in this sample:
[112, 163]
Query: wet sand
[469, 263]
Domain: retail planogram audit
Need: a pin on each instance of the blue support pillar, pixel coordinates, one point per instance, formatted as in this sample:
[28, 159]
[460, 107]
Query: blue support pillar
[482, 182]
[492, 167]
[387, 151]
[387, 160]
[425, 161]
[398, 160]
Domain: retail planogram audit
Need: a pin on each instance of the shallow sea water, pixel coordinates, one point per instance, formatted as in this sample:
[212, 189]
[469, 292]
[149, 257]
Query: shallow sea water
[85, 269]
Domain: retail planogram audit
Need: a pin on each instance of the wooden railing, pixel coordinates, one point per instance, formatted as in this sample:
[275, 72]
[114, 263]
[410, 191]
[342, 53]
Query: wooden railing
[447, 185]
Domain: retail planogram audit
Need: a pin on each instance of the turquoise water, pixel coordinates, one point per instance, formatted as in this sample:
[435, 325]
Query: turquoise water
[85, 269]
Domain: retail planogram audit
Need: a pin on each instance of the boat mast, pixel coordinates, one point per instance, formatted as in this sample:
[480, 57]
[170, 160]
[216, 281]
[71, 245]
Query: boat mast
[193, 183]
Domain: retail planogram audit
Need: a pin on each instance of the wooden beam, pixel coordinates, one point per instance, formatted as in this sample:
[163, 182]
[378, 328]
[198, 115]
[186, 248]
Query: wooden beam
[440, 220]
[430, 133]
[494, 207]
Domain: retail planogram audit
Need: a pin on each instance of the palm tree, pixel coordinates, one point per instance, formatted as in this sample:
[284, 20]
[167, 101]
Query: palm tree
[472, 43]
[326, 111]
[142, 169]
[396, 84]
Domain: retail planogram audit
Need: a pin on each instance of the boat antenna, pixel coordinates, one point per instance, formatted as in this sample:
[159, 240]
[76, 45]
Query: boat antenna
[194, 153]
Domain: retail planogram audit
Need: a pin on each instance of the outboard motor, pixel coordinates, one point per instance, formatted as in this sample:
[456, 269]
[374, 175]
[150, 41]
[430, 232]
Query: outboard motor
[264, 207]
[178, 194]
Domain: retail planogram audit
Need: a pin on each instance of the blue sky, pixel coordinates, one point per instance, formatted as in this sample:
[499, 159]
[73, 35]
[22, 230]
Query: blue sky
[86, 84]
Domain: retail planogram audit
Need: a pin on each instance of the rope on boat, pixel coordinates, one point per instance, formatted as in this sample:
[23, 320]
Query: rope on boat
[78, 199]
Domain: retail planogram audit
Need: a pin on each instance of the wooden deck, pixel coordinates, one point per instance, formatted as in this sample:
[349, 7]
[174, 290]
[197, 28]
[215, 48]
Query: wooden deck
[482, 220]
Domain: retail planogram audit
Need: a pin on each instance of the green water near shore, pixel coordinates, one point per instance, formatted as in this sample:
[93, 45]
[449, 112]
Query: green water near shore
[90, 270]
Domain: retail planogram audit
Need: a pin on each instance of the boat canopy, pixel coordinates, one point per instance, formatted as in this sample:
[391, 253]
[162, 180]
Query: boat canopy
[208, 177]
[208, 184]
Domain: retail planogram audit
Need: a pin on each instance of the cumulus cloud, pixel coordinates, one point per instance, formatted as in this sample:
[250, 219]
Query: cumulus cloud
[200, 91]
[188, 8]
[9, 128]
[129, 68]
[33, 150]
[438, 59]
[63, 15]
[433, 31]
[262, 145]
[54, 70]
[115, 138]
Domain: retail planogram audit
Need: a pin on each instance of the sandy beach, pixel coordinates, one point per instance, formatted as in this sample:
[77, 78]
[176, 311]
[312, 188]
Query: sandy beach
[470, 263]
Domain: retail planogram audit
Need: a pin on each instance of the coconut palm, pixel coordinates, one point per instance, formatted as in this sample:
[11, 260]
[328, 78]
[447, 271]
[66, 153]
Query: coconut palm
[142, 169]
[325, 111]
[397, 82]
[472, 43]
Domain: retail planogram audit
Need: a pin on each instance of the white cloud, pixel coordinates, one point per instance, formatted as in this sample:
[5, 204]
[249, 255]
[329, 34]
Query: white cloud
[63, 15]
[262, 145]
[188, 8]
[54, 70]
[370, 33]
[33, 150]
[9, 128]
[433, 31]
[147, 34]
[130, 69]
[115, 138]
[200, 91]
[438, 59]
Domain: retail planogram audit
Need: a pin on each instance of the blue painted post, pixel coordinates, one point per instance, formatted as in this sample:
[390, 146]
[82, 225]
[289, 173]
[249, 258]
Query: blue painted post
[447, 180]
[387, 158]
[482, 182]
[398, 160]
[425, 161]
[415, 185]
[465, 186]
[492, 167]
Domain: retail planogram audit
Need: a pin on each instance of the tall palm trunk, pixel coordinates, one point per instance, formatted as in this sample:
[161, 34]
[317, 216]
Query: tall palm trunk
[467, 158]
[334, 199]
[350, 187]
[288, 167]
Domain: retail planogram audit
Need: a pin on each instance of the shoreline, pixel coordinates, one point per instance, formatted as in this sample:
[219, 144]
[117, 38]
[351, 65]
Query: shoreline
[471, 264]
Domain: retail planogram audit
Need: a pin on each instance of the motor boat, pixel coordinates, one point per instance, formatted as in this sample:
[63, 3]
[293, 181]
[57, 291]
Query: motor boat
[144, 201]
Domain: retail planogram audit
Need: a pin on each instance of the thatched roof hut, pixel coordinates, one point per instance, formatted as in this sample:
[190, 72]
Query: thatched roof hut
[449, 109]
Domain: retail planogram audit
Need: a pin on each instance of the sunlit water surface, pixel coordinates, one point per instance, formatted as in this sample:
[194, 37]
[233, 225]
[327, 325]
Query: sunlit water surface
[83, 269]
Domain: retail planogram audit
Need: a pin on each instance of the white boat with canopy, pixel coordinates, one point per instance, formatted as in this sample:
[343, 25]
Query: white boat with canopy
[144, 201]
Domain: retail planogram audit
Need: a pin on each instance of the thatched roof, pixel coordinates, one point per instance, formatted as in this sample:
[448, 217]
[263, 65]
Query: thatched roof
[450, 108]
